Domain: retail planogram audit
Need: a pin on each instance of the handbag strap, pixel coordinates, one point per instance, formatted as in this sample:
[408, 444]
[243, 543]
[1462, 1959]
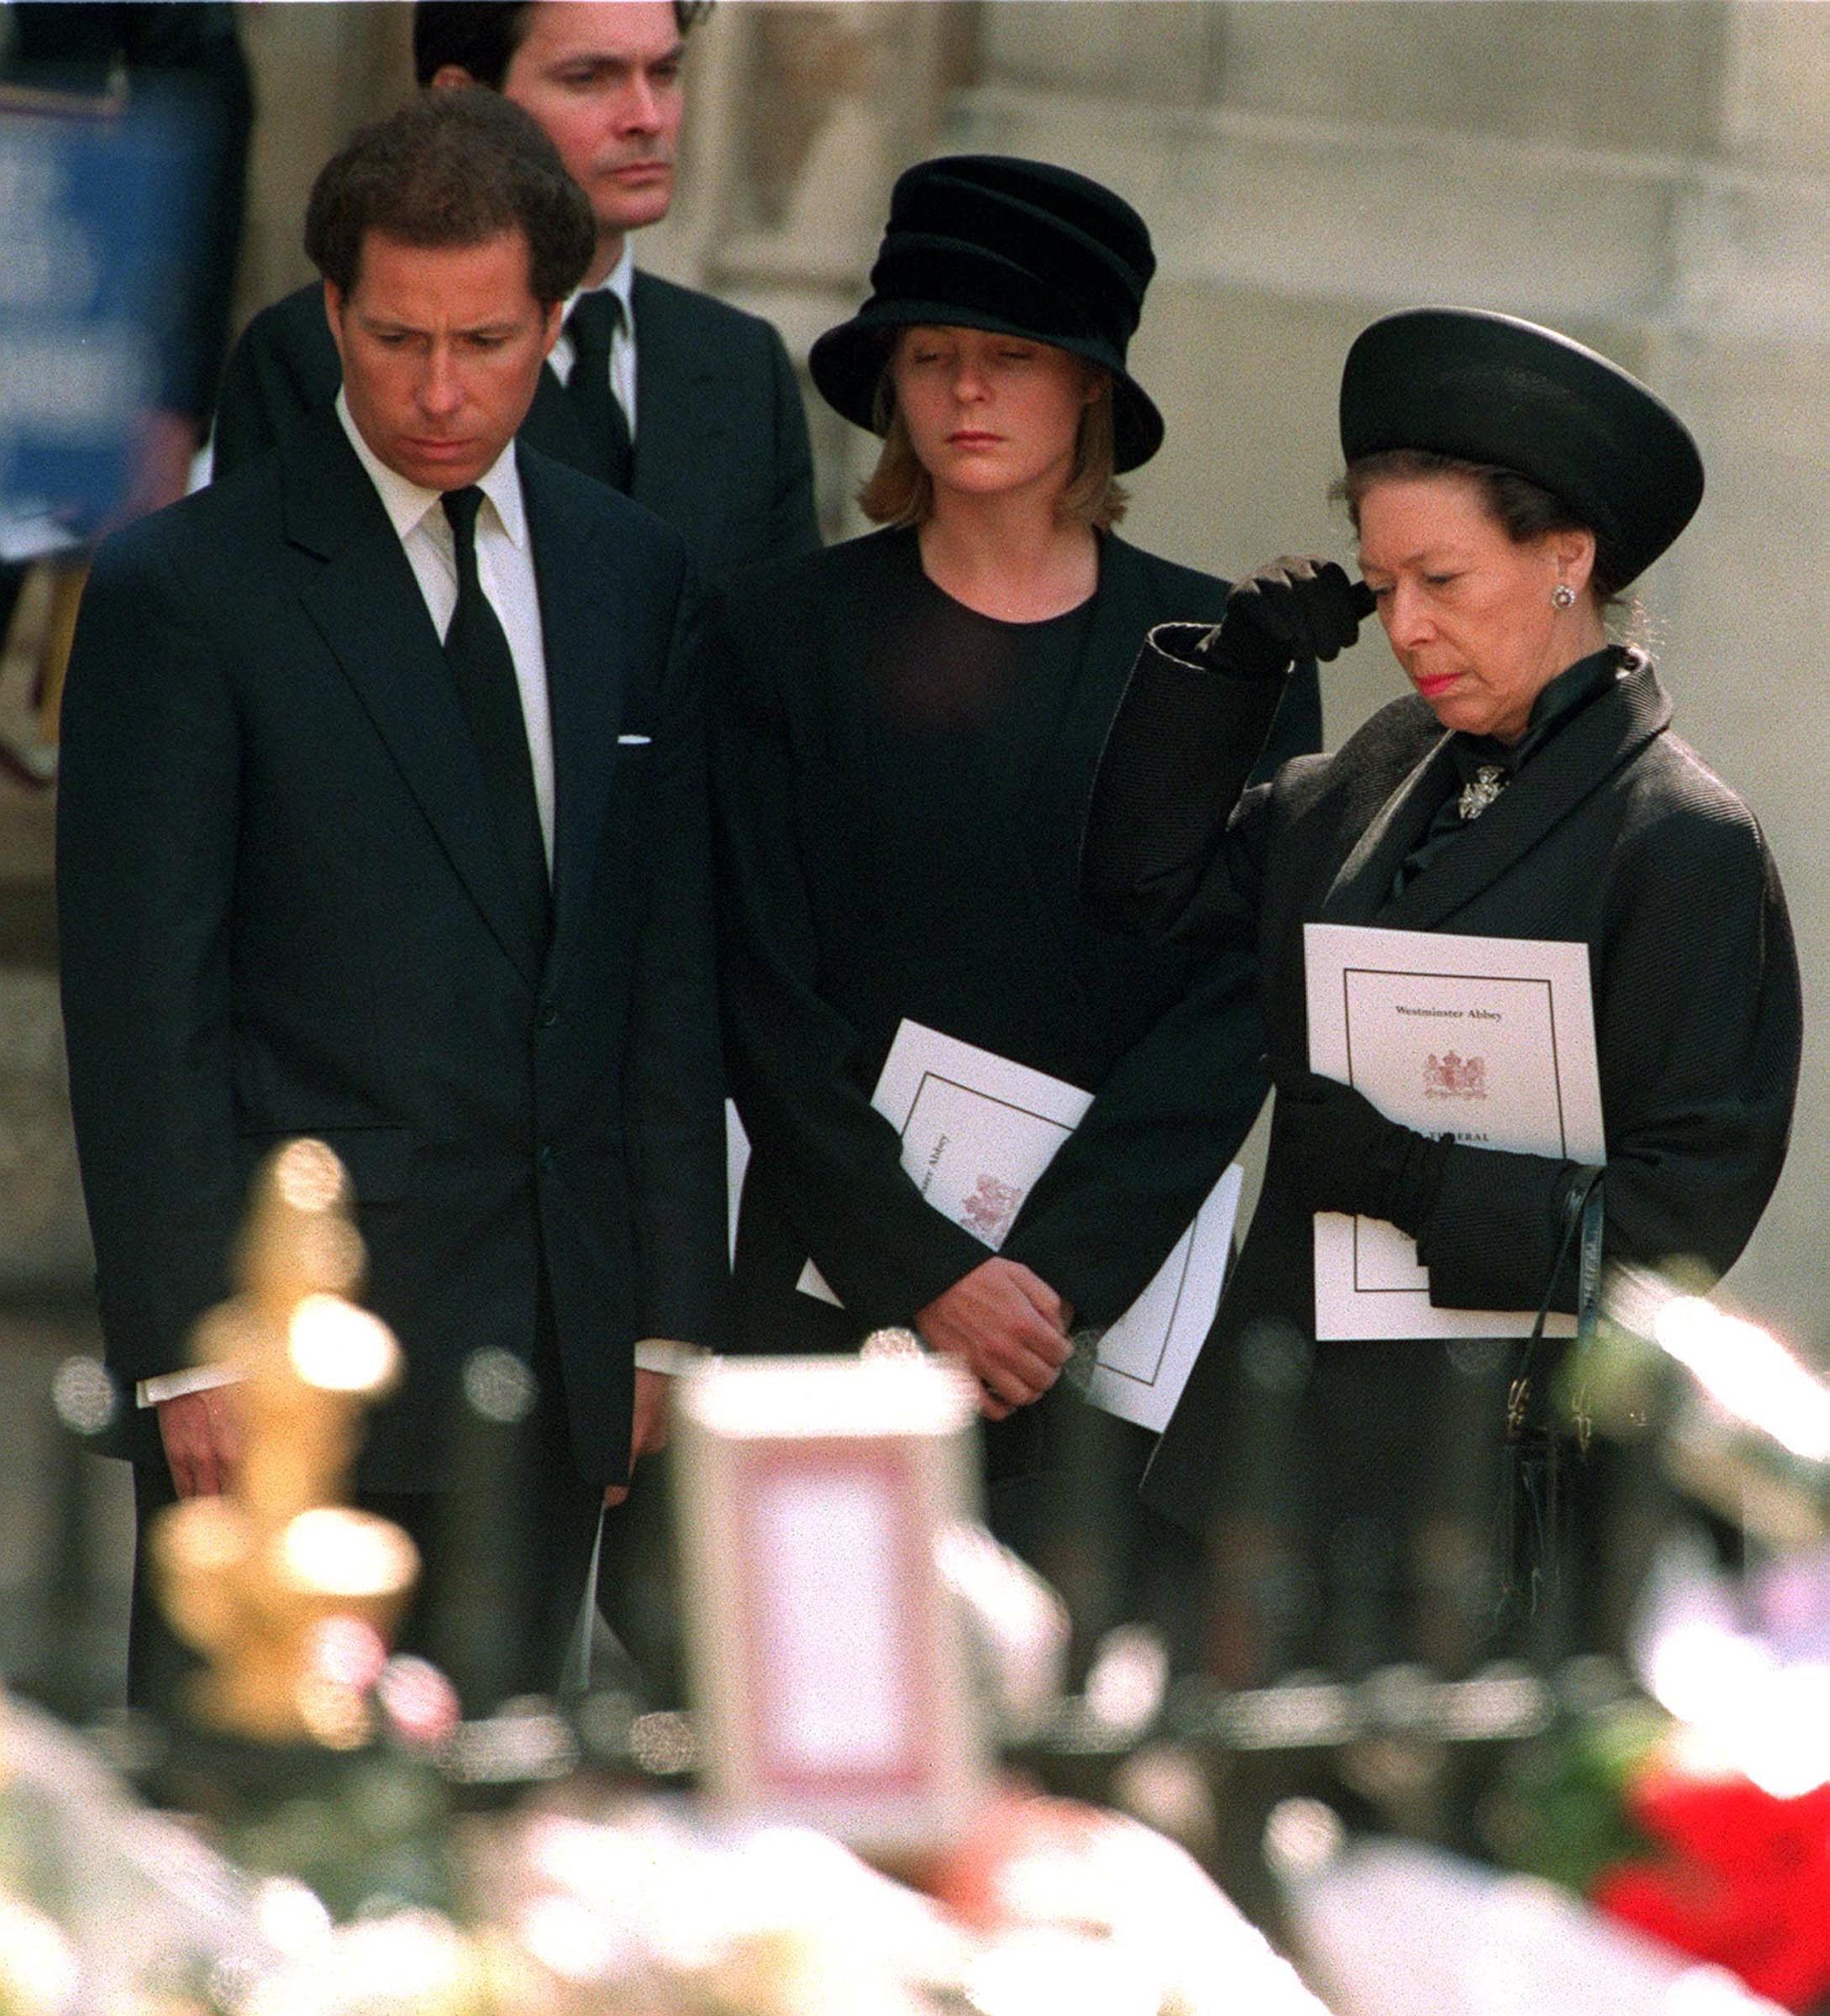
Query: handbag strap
[1582, 1229]
[1533, 1511]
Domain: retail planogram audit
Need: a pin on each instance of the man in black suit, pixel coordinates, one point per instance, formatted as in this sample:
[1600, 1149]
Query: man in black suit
[443, 905]
[687, 403]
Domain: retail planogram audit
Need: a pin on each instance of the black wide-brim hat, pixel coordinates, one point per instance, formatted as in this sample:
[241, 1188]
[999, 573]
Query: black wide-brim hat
[985, 241]
[1490, 389]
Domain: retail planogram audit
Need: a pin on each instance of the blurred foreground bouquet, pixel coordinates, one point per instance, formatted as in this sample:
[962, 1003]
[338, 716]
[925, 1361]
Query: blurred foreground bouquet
[587, 1900]
[104, 1906]
[1702, 1816]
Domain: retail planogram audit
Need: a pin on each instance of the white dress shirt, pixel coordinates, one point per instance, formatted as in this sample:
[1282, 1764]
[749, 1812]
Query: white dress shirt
[504, 567]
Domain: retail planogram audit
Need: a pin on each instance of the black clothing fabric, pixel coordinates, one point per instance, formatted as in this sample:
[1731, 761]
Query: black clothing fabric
[1486, 766]
[1500, 393]
[985, 241]
[1350, 1157]
[948, 671]
[721, 440]
[899, 786]
[1615, 835]
[1293, 610]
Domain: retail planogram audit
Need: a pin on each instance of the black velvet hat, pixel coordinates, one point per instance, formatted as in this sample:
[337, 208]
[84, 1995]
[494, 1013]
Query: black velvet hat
[984, 241]
[1492, 389]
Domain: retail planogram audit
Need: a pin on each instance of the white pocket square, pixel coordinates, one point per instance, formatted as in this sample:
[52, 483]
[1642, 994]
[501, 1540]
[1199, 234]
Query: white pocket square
[634, 742]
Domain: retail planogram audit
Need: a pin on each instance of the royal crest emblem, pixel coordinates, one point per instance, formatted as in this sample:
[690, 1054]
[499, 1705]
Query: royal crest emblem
[990, 1208]
[1452, 1076]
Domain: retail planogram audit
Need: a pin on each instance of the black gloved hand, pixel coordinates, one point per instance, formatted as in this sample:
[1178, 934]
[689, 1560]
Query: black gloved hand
[1346, 1156]
[1299, 608]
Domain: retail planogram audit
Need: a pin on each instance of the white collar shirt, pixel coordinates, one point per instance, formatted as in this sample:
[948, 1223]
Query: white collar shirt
[620, 281]
[505, 569]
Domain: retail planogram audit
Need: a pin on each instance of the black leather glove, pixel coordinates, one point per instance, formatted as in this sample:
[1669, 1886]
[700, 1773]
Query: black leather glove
[1299, 608]
[1346, 1156]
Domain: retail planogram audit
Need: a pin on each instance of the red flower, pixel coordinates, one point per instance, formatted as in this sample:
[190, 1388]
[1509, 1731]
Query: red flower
[1746, 1882]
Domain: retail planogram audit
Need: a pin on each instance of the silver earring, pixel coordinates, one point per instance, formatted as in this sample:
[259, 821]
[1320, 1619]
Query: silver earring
[1563, 596]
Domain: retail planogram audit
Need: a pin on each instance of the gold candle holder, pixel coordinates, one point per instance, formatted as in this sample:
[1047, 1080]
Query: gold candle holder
[252, 1578]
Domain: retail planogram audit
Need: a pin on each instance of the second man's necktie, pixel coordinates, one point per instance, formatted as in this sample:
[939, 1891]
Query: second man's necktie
[483, 670]
[592, 326]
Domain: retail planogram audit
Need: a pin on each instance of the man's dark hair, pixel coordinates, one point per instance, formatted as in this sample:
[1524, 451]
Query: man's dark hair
[481, 36]
[452, 168]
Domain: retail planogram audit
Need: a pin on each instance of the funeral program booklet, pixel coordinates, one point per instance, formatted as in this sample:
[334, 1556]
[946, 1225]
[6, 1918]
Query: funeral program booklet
[977, 1131]
[1491, 1040]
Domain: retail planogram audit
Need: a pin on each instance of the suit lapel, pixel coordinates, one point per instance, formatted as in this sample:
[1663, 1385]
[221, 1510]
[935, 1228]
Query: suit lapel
[582, 615]
[1061, 775]
[678, 421]
[1363, 878]
[552, 427]
[1122, 613]
[366, 605]
[1607, 732]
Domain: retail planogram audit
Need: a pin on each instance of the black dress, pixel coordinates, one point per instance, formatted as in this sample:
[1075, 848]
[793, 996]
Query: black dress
[1614, 834]
[899, 787]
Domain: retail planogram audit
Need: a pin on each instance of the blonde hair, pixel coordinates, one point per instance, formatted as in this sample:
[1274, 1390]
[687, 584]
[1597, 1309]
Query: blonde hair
[900, 491]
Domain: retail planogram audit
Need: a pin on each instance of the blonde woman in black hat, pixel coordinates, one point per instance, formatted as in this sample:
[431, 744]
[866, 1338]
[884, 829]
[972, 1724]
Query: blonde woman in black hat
[1506, 485]
[906, 729]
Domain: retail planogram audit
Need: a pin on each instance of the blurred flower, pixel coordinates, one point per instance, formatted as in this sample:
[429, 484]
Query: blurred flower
[1743, 1877]
[39, 1975]
[414, 1963]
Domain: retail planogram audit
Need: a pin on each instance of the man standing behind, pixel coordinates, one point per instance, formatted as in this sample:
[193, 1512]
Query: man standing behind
[689, 405]
[382, 820]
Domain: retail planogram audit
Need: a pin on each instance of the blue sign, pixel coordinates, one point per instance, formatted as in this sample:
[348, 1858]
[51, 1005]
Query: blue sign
[99, 205]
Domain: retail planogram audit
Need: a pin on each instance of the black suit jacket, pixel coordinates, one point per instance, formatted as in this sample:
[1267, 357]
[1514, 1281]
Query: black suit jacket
[874, 867]
[721, 444]
[284, 911]
[1616, 836]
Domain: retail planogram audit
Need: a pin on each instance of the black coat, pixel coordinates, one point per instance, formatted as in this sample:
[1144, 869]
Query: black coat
[876, 867]
[721, 444]
[1616, 835]
[283, 911]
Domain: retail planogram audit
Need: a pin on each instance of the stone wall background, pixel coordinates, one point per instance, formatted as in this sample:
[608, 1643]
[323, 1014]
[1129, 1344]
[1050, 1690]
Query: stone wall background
[1654, 178]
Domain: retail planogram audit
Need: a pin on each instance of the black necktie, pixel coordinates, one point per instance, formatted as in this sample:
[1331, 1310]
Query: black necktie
[592, 326]
[483, 670]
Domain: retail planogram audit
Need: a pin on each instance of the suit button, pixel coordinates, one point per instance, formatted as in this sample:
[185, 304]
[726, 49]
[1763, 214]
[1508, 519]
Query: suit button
[546, 1157]
[548, 1017]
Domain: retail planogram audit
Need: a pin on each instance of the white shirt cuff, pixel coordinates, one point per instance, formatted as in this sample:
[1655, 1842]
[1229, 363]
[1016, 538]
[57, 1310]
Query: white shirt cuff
[174, 1385]
[652, 1354]
[663, 1354]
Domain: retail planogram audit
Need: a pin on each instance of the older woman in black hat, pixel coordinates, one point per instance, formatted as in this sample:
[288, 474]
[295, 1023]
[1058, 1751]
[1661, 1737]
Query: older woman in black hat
[905, 728]
[1506, 485]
